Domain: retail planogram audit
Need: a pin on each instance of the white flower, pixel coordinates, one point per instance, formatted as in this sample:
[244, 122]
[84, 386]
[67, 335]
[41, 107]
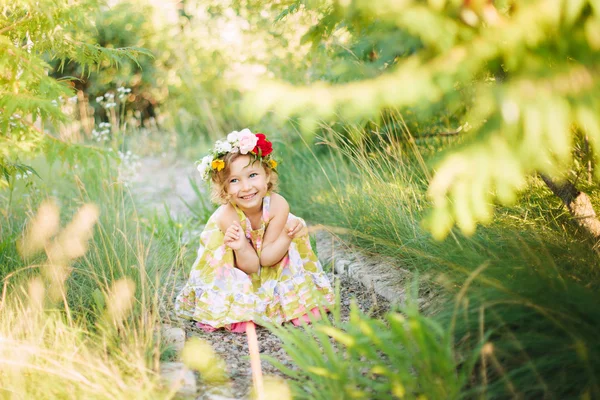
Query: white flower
[99, 99]
[204, 166]
[73, 99]
[233, 138]
[222, 146]
[30, 43]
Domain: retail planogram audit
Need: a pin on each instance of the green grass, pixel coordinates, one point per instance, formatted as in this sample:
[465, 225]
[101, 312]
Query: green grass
[532, 277]
[83, 325]
[403, 355]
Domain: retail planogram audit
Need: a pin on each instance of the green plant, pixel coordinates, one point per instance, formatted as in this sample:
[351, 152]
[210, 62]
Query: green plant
[404, 355]
[202, 209]
[30, 33]
[528, 280]
[530, 67]
[542, 328]
[81, 296]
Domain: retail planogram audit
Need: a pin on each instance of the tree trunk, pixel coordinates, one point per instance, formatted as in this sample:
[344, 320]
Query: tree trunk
[578, 203]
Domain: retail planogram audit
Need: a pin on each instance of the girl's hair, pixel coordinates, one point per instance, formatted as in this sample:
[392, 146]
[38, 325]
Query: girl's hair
[219, 194]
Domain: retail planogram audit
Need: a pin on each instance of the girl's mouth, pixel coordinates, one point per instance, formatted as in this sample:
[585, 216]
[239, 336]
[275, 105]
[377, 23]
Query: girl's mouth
[250, 196]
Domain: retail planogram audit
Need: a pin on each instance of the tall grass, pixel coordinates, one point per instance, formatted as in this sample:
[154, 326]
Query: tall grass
[528, 279]
[82, 283]
[405, 355]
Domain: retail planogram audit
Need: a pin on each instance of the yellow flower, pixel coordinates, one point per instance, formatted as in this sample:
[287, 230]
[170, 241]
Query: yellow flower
[272, 163]
[218, 164]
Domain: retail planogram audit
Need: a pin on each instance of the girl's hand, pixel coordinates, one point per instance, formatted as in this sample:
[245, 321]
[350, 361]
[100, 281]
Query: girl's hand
[234, 237]
[295, 228]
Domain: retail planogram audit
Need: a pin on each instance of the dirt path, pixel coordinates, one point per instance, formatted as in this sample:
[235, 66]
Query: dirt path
[165, 180]
[161, 180]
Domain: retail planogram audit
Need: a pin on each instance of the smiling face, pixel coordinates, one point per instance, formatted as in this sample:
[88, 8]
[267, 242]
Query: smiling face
[247, 184]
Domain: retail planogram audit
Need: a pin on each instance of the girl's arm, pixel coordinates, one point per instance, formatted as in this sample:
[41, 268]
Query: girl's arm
[245, 257]
[276, 241]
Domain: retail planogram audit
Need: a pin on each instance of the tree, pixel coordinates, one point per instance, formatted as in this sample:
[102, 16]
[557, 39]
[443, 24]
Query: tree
[532, 67]
[31, 32]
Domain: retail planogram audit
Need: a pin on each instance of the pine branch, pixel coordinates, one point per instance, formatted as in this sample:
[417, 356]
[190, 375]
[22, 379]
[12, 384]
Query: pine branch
[8, 28]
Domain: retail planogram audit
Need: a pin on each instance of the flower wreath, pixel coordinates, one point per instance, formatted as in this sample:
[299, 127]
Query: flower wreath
[244, 142]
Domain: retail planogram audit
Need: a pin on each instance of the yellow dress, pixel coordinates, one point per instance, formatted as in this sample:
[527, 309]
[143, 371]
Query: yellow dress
[217, 294]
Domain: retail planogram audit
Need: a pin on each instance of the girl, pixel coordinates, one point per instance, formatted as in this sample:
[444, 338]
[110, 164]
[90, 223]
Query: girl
[255, 262]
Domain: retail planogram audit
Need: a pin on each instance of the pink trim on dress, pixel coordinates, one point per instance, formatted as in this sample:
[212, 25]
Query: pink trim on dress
[237, 327]
[205, 327]
[240, 327]
[304, 319]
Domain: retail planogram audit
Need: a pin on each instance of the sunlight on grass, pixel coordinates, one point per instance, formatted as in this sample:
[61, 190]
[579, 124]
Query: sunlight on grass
[525, 279]
[46, 350]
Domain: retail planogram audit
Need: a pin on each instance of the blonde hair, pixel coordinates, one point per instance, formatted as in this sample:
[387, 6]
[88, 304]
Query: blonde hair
[218, 193]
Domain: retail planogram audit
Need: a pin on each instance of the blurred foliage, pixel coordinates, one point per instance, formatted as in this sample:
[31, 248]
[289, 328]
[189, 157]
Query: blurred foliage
[404, 355]
[126, 24]
[530, 67]
[205, 55]
[542, 328]
[81, 286]
[527, 283]
[32, 32]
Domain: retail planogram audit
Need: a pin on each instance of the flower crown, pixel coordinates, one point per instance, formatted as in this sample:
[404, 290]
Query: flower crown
[244, 142]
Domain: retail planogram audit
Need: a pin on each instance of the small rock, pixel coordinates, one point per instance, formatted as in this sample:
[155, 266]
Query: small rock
[177, 375]
[174, 337]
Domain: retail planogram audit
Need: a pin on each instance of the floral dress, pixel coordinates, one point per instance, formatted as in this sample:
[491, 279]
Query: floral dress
[217, 294]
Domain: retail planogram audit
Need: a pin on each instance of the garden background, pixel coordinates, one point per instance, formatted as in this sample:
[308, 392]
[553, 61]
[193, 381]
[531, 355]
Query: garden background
[459, 138]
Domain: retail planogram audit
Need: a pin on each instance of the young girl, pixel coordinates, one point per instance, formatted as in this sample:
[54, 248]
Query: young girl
[255, 262]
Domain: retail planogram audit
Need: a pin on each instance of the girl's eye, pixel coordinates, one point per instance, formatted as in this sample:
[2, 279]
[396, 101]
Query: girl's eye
[234, 180]
[252, 175]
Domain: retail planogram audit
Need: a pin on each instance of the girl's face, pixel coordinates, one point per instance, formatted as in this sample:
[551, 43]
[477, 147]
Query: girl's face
[247, 183]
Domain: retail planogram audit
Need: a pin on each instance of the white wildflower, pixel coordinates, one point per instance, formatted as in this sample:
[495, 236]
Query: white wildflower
[222, 146]
[30, 43]
[204, 166]
[233, 138]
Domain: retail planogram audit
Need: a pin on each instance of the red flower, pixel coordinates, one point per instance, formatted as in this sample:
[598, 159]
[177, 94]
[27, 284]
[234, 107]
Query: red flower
[263, 146]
